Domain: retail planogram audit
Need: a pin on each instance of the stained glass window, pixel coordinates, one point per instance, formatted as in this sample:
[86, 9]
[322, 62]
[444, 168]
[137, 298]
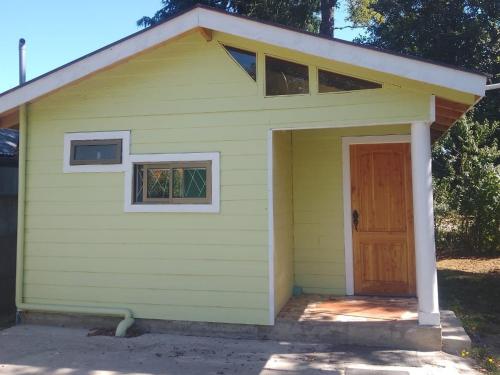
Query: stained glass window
[158, 183]
[190, 183]
[174, 182]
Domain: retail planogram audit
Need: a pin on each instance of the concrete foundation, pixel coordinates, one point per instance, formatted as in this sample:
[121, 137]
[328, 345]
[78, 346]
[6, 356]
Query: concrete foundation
[394, 335]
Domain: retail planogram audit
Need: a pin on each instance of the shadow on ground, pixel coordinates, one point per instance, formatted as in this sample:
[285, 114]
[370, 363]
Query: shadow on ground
[475, 299]
[49, 350]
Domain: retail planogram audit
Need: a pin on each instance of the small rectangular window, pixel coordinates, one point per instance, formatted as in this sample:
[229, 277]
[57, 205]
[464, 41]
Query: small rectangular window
[334, 82]
[186, 182]
[286, 77]
[96, 151]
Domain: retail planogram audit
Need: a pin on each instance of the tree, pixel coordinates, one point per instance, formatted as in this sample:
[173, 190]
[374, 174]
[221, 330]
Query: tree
[172, 7]
[466, 170]
[301, 14]
[327, 19]
[464, 33]
[467, 187]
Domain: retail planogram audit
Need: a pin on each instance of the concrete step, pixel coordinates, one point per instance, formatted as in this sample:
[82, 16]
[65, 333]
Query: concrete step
[407, 335]
[454, 337]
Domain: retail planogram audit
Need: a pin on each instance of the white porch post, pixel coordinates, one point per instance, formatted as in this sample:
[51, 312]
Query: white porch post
[425, 250]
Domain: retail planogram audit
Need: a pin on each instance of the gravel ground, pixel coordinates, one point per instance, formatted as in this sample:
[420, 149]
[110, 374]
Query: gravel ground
[48, 350]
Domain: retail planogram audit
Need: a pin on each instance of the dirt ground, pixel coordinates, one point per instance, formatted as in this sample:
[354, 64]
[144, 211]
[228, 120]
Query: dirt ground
[474, 265]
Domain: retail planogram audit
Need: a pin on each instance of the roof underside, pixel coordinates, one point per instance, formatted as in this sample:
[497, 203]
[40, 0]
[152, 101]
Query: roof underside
[447, 113]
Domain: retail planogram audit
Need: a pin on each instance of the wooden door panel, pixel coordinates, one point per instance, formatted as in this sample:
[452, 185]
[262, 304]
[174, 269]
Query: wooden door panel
[383, 240]
[381, 181]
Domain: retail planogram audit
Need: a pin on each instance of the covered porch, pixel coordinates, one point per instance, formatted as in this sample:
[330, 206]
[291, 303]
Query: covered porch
[355, 320]
[338, 272]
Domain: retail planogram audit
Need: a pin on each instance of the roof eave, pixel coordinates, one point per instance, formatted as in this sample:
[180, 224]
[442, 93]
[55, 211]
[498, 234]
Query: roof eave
[332, 49]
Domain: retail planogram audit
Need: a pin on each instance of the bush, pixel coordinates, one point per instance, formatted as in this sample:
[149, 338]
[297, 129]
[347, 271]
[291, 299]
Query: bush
[467, 189]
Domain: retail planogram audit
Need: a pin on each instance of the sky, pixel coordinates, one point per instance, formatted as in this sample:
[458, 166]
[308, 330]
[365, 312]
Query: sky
[59, 31]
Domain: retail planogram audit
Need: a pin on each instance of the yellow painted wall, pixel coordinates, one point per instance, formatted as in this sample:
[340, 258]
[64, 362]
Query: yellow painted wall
[318, 205]
[186, 96]
[283, 218]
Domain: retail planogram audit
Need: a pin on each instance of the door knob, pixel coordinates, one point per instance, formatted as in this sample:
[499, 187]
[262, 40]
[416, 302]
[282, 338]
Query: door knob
[355, 219]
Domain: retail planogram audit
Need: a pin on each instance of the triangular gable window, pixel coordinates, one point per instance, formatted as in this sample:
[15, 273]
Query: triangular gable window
[334, 82]
[246, 59]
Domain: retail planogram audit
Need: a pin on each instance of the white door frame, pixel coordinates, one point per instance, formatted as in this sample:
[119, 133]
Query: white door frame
[346, 188]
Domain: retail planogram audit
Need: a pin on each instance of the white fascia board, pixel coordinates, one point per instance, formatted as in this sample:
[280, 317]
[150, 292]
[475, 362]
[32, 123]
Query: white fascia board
[345, 53]
[100, 60]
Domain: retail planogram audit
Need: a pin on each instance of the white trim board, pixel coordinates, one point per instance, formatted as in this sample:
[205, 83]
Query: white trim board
[124, 135]
[331, 49]
[346, 189]
[213, 207]
[270, 228]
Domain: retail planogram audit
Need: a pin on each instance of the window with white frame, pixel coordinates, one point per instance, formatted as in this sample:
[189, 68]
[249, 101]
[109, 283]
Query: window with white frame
[96, 151]
[173, 183]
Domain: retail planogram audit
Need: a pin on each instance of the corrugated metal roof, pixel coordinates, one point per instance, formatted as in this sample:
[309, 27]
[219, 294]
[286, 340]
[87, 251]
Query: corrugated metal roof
[9, 140]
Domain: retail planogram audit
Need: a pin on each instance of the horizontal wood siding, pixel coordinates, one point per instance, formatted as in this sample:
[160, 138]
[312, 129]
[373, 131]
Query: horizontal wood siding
[186, 96]
[283, 218]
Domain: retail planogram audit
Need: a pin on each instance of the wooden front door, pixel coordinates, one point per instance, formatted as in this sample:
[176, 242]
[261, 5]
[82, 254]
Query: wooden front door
[382, 219]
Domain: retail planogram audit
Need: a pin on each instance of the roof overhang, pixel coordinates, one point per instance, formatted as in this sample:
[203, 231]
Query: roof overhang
[205, 18]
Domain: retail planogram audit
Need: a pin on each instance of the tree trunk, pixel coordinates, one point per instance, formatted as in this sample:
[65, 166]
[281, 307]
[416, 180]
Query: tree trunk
[326, 27]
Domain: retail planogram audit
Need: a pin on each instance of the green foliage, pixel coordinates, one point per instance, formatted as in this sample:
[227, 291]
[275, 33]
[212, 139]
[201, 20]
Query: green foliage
[463, 33]
[172, 7]
[361, 12]
[467, 188]
[302, 14]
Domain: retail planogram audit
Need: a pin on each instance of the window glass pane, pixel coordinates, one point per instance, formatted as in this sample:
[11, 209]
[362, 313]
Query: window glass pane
[332, 82]
[138, 183]
[172, 183]
[95, 152]
[247, 60]
[190, 183]
[285, 77]
[177, 190]
[195, 182]
[158, 183]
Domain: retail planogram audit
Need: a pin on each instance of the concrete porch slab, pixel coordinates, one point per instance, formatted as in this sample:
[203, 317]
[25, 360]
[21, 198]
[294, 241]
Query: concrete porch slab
[367, 321]
[324, 308]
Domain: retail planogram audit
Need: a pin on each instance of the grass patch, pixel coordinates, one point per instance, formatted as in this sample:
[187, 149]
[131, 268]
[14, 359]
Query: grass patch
[474, 296]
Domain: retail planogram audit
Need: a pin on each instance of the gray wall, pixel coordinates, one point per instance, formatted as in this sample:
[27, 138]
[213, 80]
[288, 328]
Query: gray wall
[8, 229]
